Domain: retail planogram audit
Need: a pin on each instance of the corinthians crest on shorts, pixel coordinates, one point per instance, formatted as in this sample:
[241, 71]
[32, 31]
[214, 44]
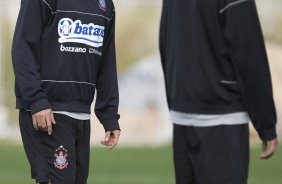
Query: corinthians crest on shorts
[102, 5]
[61, 161]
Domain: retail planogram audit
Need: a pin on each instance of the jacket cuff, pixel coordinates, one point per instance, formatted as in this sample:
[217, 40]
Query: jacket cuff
[268, 134]
[39, 105]
[110, 125]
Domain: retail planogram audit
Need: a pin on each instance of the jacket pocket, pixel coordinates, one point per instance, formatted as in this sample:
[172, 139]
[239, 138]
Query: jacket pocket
[231, 86]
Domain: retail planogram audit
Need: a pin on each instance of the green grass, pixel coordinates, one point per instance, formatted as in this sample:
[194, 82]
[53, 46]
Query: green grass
[131, 166]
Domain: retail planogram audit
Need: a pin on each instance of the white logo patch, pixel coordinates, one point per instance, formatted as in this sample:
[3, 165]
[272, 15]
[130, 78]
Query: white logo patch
[76, 32]
[102, 5]
[61, 161]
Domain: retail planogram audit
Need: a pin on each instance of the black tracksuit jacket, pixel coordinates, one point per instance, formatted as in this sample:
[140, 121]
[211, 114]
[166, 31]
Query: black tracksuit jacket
[63, 50]
[215, 62]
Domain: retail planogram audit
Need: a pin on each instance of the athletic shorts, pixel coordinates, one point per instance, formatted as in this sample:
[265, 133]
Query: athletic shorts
[211, 155]
[63, 157]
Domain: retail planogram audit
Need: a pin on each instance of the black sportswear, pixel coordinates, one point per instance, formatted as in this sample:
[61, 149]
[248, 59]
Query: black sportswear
[63, 50]
[215, 62]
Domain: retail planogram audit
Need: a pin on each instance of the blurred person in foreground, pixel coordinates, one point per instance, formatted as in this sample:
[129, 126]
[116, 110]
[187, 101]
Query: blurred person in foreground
[62, 51]
[217, 79]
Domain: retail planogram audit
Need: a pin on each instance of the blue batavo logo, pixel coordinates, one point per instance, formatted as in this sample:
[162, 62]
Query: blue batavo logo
[76, 32]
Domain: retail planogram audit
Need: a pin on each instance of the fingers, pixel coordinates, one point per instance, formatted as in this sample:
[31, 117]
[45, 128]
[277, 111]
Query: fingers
[49, 125]
[52, 118]
[116, 135]
[41, 124]
[50, 121]
[43, 120]
[38, 120]
[264, 146]
[270, 149]
[111, 139]
[34, 122]
[107, 136]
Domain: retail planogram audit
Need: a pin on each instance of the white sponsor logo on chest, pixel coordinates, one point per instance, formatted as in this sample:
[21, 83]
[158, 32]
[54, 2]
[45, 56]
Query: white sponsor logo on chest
[76, 32]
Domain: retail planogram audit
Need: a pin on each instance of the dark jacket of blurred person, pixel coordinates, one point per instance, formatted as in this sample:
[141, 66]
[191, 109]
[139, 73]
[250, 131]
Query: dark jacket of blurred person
[217, 79]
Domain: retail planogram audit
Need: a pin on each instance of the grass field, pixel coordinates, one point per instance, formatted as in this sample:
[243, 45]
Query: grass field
[131, 166]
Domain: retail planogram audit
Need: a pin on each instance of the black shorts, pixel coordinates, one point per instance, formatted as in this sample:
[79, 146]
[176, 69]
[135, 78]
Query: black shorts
[211, 155]
[63, 157]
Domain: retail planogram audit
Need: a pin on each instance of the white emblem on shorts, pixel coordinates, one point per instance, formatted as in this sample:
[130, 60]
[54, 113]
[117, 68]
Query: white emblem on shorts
[61, 155]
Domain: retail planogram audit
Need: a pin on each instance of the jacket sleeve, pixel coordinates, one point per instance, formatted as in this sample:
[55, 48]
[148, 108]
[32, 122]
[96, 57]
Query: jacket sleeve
[244, 36]
[26, 52]
[163, 34]
[162, 42]
[107, 100]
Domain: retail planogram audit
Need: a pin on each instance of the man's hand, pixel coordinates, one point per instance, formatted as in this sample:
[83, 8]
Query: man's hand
[111, 139]
[268, 149]
[43, 120]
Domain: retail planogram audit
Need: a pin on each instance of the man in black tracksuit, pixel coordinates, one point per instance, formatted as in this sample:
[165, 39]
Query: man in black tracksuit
[63, 51]
[217, 79]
